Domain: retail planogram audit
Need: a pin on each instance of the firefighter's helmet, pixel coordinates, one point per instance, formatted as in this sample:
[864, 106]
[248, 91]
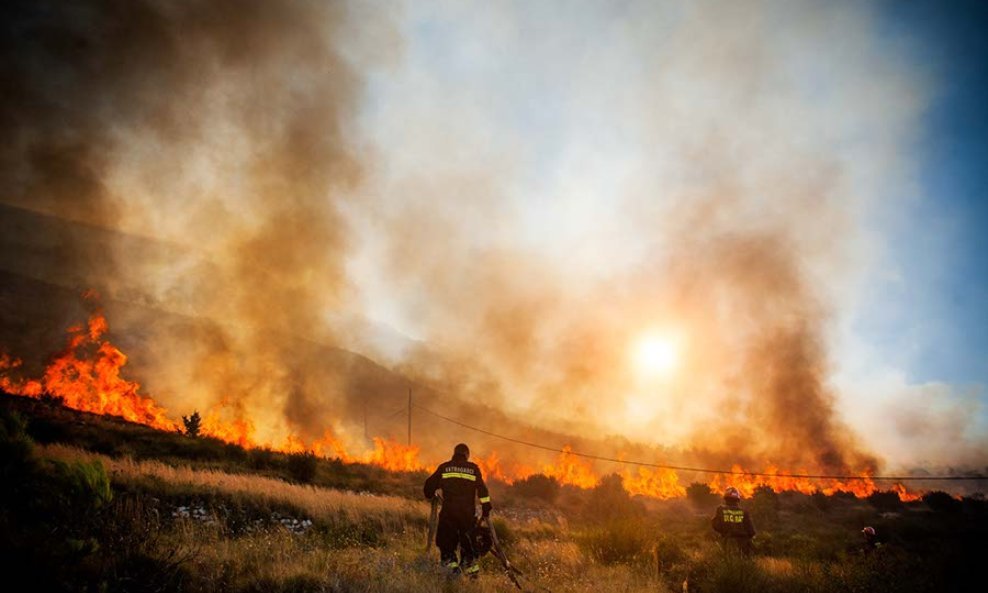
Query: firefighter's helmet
[461, 449]
[868, 531]
[732, 494]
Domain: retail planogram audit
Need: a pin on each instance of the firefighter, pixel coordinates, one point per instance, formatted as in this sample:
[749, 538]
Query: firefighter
[461, 483]
[871, 542]
[734, 524]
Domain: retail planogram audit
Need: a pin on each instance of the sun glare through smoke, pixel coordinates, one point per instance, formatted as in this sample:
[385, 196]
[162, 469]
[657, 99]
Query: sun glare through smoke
[656, 356]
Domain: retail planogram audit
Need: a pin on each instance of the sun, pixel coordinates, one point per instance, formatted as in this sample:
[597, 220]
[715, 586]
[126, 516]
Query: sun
[656, 355]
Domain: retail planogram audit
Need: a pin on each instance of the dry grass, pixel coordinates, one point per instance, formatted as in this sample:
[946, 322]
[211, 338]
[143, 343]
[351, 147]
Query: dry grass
[274, 559]
[277, 561]
[661, 552]
[316, 502]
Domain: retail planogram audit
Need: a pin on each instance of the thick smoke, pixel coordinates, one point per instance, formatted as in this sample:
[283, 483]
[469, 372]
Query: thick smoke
[218, 131]
[527, 190]
[700, 170]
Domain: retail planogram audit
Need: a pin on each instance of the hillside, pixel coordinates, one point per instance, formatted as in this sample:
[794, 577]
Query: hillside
[47, 262]
[97, 503]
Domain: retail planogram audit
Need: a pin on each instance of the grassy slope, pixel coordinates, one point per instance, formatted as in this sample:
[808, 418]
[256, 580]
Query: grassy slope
[199, 515]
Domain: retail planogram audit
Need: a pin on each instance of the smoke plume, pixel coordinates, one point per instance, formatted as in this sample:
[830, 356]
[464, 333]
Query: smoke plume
[498, 201]
[216, 130]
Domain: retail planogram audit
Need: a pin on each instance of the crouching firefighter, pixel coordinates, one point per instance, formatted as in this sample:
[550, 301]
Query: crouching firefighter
[734, 524]
[461, 483]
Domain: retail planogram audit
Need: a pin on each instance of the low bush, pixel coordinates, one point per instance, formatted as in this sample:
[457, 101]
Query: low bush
[619, 541]
[885, 501]
[942, 502]
[536, 487]
[302, 466]
[701, 495]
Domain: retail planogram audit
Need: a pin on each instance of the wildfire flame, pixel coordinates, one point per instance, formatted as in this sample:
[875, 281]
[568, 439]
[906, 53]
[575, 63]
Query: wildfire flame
[86, 376]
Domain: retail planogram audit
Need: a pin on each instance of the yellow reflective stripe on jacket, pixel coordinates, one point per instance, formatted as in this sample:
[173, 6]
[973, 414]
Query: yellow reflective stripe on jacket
[733, 516]
[484, 499]
[459, 475]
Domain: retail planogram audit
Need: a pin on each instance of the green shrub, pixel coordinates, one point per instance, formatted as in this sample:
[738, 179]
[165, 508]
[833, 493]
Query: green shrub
[537, 487]
[16, 448]
[609, 501]
[885, 501]
[722, 573]
[701, 495]
[261, 458]
[302, 466]
[83, 487]
[619, 541]
[821, 501]
[765, 504]
[671, 550]
[941, 502]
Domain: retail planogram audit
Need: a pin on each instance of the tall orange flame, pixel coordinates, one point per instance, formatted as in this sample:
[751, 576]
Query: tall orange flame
[394, 456]
[86, 376]
[570, 469]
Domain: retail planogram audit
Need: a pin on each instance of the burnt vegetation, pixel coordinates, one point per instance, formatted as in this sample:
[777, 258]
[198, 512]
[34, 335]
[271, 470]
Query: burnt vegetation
[94, 503]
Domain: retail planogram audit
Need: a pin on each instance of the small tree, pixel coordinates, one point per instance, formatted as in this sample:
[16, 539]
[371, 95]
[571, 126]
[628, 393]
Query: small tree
[821, 501]
[609, 500]
[941, 502]
[765, 503]
[537, 487]
[302, 466]
[192, 424]
[700, 494]
[885, 501]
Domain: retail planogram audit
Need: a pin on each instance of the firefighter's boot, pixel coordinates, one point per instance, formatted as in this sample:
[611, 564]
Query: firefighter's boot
[451, 569]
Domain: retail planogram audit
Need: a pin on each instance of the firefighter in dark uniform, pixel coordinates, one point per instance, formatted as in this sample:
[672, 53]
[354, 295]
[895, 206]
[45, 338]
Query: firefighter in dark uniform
[734, 524]
[871, 542]
[461, 483]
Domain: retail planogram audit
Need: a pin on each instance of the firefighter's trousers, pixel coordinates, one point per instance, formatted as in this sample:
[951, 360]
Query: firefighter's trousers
[454, 532]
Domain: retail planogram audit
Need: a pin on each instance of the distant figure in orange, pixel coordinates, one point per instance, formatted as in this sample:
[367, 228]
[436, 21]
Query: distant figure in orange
[734, 524]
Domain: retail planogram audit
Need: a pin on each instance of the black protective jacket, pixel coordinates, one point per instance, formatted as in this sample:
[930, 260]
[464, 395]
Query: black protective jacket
[733, 521]
[460, 482]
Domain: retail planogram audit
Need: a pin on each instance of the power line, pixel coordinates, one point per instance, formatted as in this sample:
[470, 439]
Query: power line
[692, 469]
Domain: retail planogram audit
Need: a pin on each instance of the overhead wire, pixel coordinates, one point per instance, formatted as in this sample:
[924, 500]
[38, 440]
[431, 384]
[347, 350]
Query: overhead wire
[704, 470]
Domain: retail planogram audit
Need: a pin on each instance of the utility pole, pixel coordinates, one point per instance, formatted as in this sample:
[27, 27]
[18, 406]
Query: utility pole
[409, 416]
[365, 421]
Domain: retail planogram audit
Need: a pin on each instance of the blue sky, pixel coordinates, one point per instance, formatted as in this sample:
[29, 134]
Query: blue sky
[946, 239]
